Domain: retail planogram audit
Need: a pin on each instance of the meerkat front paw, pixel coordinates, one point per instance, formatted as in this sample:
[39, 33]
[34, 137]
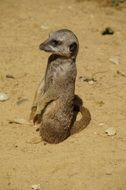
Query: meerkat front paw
[33, 111]
[37, 118]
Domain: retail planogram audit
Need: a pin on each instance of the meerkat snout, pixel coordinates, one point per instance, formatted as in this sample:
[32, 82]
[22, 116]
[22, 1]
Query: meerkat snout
[62, 42]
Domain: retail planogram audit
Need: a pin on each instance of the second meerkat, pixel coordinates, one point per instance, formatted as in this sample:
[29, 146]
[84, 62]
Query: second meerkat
[53, 105]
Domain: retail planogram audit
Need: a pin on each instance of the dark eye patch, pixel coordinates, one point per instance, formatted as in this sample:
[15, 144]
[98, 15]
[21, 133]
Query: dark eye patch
[55, 43]
[73, 47]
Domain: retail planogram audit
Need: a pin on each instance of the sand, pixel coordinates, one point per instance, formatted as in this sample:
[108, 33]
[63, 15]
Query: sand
[89, 159]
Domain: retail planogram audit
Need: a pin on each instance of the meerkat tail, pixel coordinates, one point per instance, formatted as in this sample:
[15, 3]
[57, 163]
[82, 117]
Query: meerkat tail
[83, 122]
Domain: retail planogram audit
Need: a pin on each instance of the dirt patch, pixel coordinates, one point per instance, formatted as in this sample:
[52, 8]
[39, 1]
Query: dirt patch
[90, 159]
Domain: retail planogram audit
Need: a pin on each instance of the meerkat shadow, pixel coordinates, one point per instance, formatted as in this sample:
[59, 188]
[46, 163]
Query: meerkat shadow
[83, 122]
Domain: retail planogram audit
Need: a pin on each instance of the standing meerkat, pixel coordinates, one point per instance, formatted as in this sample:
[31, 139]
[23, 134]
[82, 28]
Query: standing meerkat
[55, 100]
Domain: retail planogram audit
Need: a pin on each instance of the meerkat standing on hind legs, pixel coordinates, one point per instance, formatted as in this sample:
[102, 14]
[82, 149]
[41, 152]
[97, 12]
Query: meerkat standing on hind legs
[55, 105]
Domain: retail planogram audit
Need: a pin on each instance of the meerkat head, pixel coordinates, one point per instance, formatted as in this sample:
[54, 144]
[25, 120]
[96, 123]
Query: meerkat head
[62, 42]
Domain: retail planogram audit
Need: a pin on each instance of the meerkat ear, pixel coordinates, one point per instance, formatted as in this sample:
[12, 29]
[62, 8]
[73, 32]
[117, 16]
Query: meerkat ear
[73, 48]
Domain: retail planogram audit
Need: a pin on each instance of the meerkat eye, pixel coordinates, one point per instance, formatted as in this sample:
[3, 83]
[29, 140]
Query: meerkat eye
[73, 47]
[55, 43]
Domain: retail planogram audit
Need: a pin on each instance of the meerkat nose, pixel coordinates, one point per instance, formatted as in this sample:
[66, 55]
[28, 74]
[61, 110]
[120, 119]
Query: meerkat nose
[42, 46]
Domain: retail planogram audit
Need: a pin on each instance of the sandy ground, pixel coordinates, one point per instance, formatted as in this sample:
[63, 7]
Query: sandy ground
[87, 160]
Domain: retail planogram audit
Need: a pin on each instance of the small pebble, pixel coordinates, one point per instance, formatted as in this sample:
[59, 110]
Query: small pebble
[91, 82]
[3, 97]
[88, 79]
[101, 124]
[36, 187]
[108, 31]
[115, 60]
[110, 131]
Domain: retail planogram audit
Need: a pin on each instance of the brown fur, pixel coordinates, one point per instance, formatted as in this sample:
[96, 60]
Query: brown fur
[55, 104]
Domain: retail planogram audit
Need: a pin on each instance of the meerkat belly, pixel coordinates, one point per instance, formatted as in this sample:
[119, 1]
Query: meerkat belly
[59, 111]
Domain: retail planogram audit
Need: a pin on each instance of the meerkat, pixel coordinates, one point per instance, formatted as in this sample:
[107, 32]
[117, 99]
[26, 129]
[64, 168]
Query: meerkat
[55, 101]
